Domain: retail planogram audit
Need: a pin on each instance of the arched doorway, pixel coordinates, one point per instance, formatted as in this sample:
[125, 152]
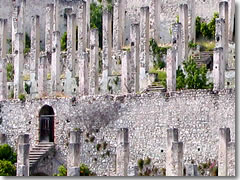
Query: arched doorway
[46, 122]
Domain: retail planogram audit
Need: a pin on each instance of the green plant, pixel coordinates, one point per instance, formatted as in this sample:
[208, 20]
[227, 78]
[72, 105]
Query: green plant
[192, 45]
[7, 153]
[177, 20]
[180, 79]
[7, 168]
[27, 44]
[62, 171]
[147, 161]
[160, 77]
[64, 42]
[85, 171]
[96, 11]
[12, 94]
[198, 27]
[10, 72]
[27, 88]
[9, 42]
[158, 53]
[22, 97]
[140, 164]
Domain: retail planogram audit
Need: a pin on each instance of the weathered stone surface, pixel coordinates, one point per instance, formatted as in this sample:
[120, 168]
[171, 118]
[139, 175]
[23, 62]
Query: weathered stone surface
[218, 69]
[171, 69]
[3, 79]
[3, 37]
[73, 171]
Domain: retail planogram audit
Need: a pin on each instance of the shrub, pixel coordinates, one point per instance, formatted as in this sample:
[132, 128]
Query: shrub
[27, 44]
[10, 72]
[9, 42]
[192, 45]
[85, 171]
[7, 153]
[64, 42]
[7, 168]
[140, 164]
[22, 97]
[62, 171]
[147, 161]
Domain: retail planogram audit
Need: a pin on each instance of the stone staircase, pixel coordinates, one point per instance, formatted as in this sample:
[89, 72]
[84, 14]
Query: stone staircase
[153, 88]
[38, 151]
[205, 57]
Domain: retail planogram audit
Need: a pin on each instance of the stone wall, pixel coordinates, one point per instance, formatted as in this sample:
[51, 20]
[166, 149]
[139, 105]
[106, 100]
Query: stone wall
[197, 114]
[168, 10]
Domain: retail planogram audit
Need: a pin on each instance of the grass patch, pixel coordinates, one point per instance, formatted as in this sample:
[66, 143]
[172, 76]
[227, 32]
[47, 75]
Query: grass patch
[206, 45]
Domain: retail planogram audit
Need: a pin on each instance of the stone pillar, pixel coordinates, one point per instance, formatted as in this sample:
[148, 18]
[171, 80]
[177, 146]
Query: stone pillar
[192, 19]
[171, 70]
[218, 69]
[224, 139]
[74, 154]
[3, 79]
[122, 158]
[3, 139]
[174, 154]
[126, 85]
[231, 159]
[135, 41]
[144, 47]
[191, 170]
[183, 19]
[18, 65]
[88, 22]
[56, 15]
[23, 155]
[231, 16]
[107, 48]
[71, 52]
[83, 74]
[177, 43]
[118, 11]
[223, 13]
[18, 22]
[82, 29]
[154, 18]
[3, 37]
[94, 62]
[49, 28]
[35, 50]
[55, 68]
[42, 75]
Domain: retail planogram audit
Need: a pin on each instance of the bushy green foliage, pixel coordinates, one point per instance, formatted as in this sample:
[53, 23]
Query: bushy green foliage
[62, 171]
[7, 153]
[10, 72]
[85, 171]
[9, 42]
[7, 168]
[192, 45]
[160, 77]
[27, 44]
[7, 159]
[64, 42]
[194, 78]
[22, 97]
[158, 53]
[96, 11]
[205, 29]
[140, 164]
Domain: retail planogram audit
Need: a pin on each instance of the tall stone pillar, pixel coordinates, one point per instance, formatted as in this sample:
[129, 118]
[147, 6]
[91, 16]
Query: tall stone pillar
[42, 75]
[83, 75]
[88, 22]
[49, 28]
[18, 21]
[218, 69]
[3, 37]
[118, 11]
[107, 48]
[126, 80]
[171, 70]
[177, 43]
[18, 65]
[71, 52]
[154, 18]
[223, 13]
[56, 15]
[94, 62]
[55, 68]
[3, 79]
[3, 139]
[231, 16]
[135, 41]
[192, 20]
[144, 47]
[174, 156]
[122, 159]
[23, 155]
[82, 28]
[73, 168]
[35, 50]
[224, 139]
[183, 19]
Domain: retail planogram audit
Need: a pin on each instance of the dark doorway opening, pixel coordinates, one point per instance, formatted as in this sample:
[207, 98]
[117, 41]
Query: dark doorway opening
[46, 120]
